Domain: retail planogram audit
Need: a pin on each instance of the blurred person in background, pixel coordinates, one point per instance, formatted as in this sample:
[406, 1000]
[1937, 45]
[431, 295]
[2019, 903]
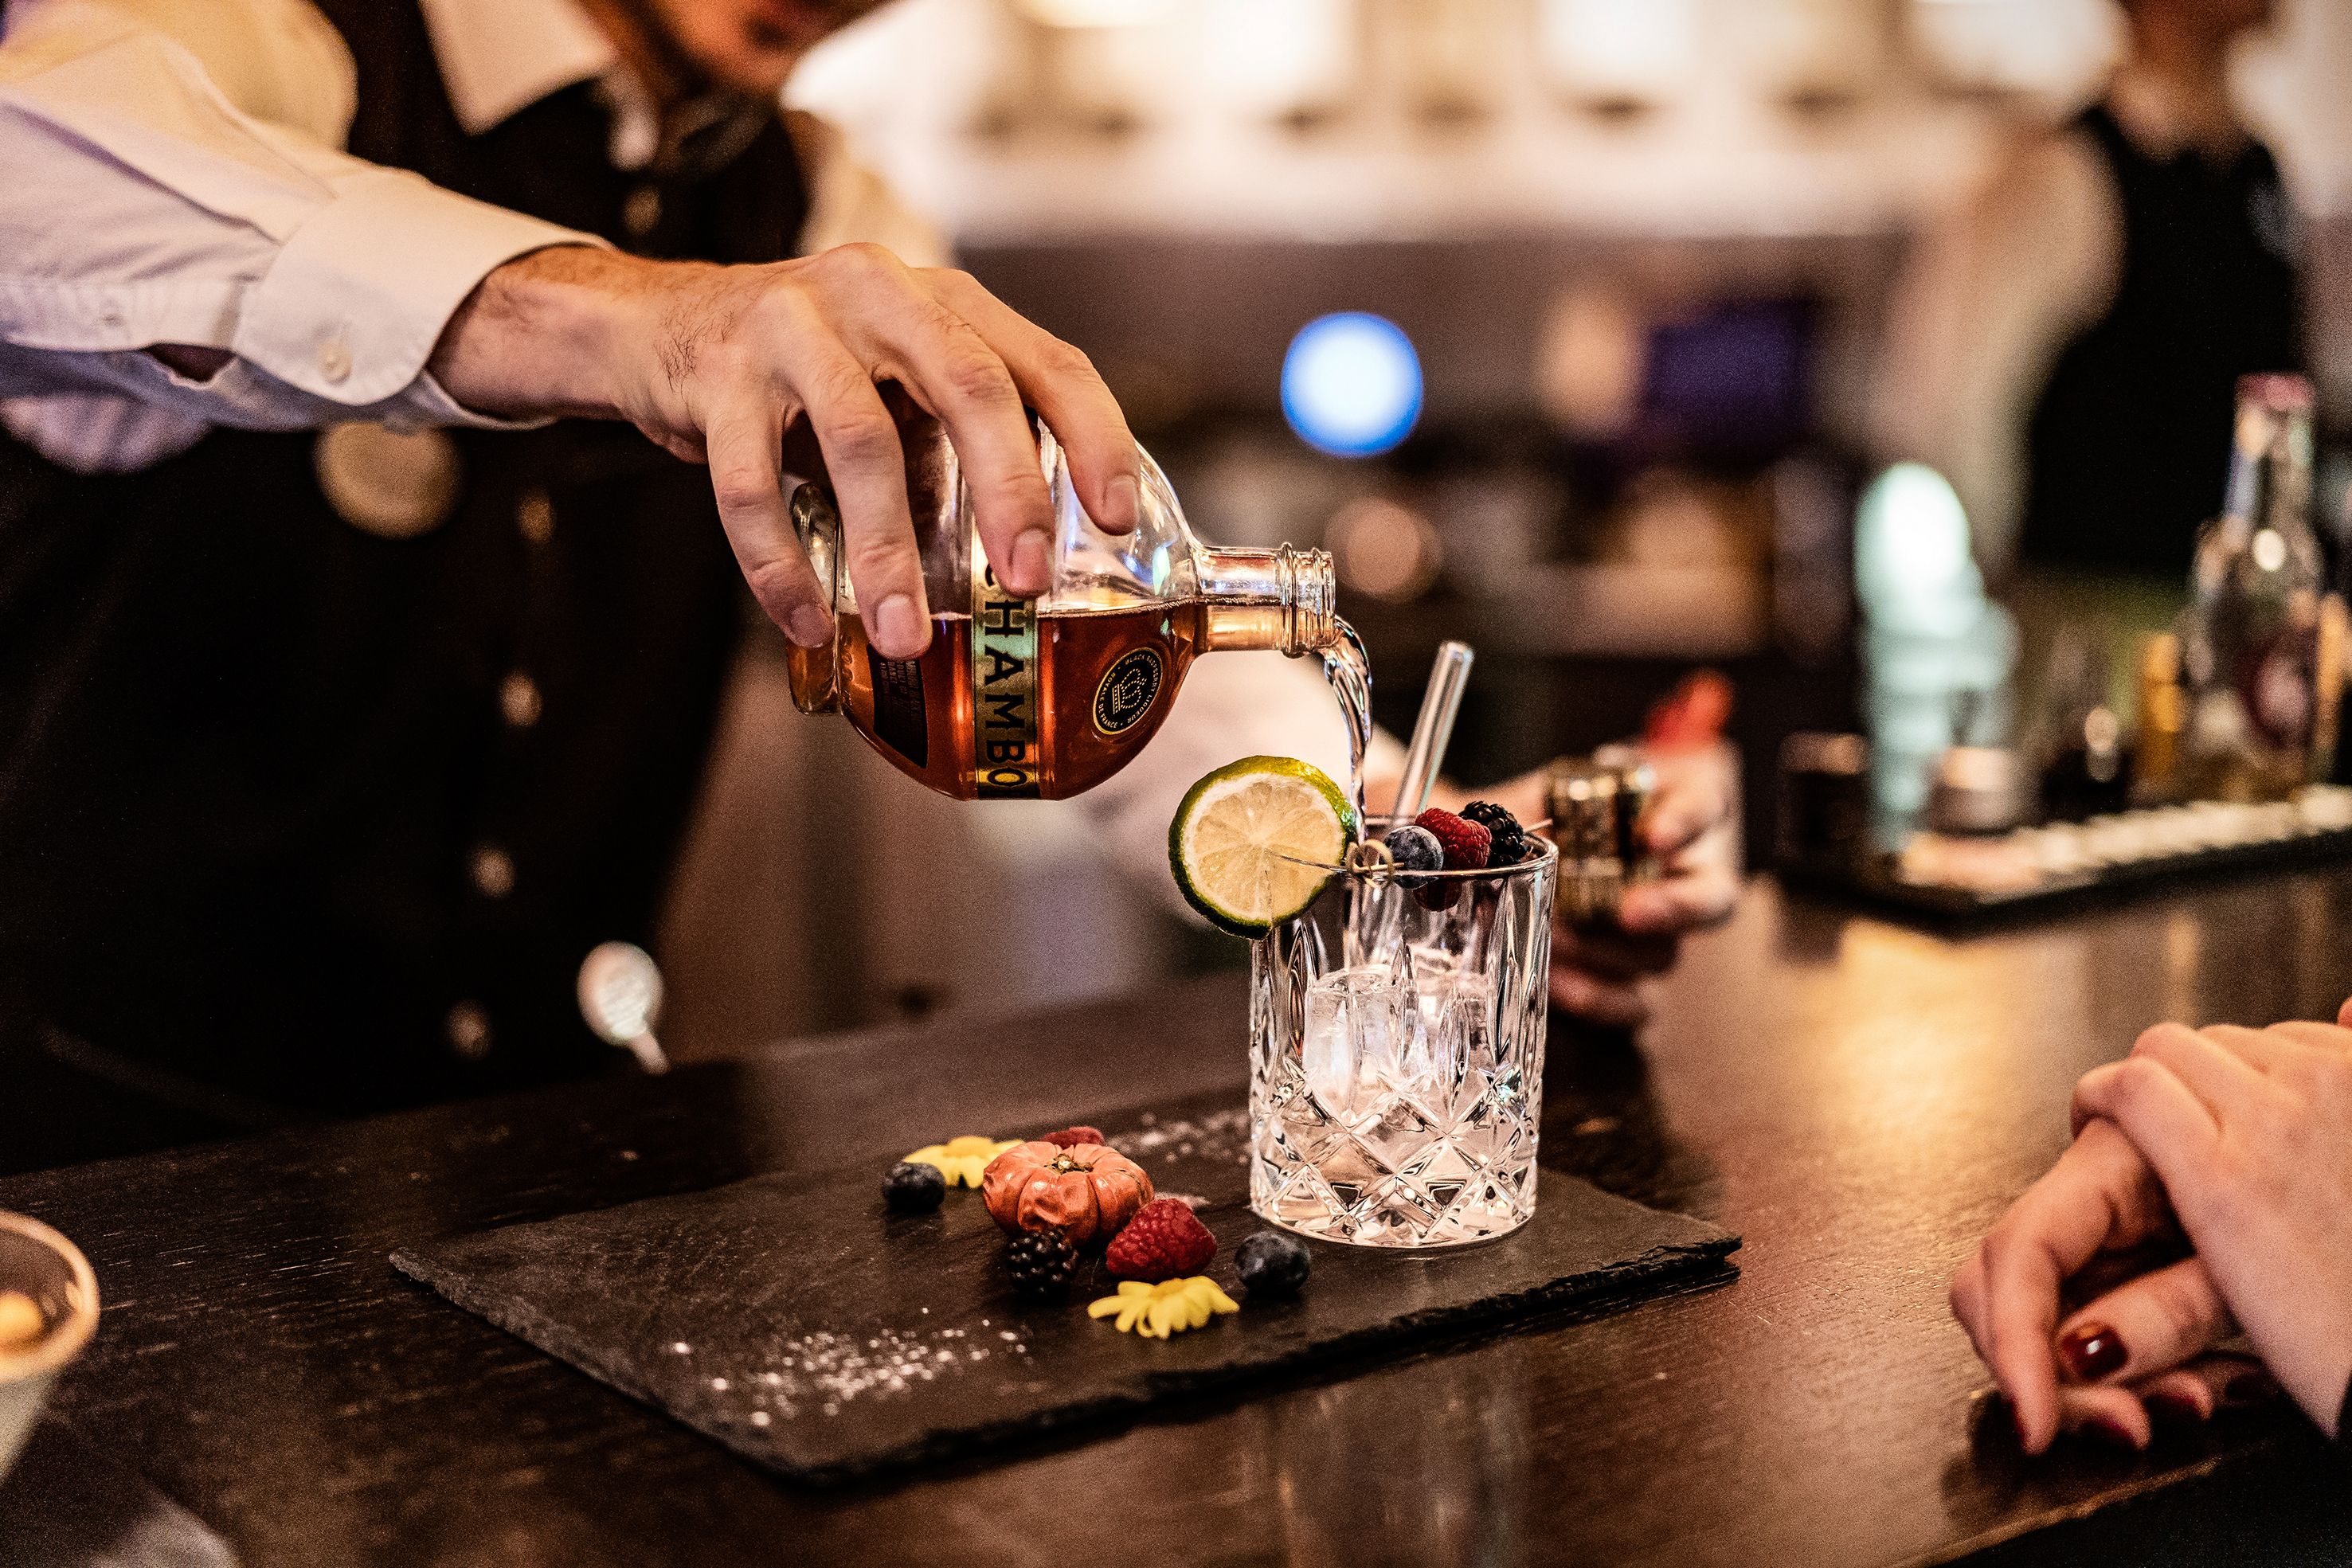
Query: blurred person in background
[2065, 348]
[325, 758]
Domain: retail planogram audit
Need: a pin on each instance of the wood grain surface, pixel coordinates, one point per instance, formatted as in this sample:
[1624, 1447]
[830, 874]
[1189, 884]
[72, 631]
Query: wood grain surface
[1858, 1099]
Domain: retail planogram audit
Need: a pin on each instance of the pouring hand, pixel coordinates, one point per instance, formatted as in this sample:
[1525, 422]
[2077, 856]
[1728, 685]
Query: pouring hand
[716, 363]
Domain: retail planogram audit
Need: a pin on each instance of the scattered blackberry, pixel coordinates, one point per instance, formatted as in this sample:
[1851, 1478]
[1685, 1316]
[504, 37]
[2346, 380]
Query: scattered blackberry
[1510, 843]
[913, 1188]
[1272, 1264]
[1041, 1262]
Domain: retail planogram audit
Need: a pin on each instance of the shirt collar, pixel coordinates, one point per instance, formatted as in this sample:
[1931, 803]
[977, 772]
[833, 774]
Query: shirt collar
[500, 56]
[2153, 113]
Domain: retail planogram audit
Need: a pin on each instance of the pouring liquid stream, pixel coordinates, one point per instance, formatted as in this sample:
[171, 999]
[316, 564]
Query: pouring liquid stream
[1349, 671]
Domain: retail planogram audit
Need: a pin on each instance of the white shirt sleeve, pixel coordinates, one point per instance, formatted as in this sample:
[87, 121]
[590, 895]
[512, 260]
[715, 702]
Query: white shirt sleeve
[144, 207]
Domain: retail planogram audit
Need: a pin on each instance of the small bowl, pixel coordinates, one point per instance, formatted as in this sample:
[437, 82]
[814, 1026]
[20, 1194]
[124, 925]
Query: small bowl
[1976, 791]
[51, 1269]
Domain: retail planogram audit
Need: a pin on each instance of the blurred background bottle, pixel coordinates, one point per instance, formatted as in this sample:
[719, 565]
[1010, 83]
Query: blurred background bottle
[2261, 720]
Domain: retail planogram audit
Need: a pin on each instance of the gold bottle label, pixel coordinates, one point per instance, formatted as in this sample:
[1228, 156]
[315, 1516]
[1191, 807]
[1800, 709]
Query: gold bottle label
[1003, 687]
[1128, 690]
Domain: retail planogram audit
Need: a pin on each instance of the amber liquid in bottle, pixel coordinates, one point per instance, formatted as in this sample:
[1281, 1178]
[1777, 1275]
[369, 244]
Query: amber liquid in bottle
[1106, 679]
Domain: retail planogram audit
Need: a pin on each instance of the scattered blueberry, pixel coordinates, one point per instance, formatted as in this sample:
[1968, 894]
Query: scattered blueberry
[1272, 1264]
[914, 1188]
[1414, 849]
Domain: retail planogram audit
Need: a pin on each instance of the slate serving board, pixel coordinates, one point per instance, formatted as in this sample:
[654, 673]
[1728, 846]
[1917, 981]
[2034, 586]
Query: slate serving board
[796, 1320]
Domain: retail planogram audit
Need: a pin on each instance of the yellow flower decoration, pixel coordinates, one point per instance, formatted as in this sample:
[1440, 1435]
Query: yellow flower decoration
[1155, 1312]
[961, 1159]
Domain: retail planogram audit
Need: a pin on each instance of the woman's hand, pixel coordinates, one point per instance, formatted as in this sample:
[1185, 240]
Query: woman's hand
[2098, 1215]
[2250, 1131]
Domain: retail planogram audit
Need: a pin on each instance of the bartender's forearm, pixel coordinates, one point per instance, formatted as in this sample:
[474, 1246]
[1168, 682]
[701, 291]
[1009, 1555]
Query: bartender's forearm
[546, 334]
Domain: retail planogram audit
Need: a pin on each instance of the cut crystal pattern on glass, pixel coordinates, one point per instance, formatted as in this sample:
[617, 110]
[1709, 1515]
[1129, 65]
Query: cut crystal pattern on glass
[1397, 1062]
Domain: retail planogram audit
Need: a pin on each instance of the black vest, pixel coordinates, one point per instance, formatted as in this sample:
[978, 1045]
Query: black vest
[258, 789]
[2128, 449]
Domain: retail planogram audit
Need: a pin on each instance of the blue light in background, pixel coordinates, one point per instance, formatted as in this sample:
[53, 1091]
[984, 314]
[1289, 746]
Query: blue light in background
[1352, 384]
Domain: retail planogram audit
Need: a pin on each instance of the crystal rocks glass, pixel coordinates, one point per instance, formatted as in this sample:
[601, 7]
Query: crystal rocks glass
[1396, 1055]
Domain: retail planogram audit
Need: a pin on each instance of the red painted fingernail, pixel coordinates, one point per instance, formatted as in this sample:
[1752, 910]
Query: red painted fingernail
[2093, 1351]
[2108, 1431]
[2174, 1410]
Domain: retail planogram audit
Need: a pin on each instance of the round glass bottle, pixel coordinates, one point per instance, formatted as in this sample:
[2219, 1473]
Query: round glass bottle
[1045, 697]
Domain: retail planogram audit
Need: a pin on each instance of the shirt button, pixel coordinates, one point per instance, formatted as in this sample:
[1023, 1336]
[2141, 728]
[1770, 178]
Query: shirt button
[535, 516]
[469, 1030]
[519, 699]
[494, 870]
[334, 358]
[642, 211]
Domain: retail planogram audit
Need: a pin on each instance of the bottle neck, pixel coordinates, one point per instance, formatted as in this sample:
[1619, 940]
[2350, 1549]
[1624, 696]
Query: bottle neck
[1279, 598]
[2270, 463]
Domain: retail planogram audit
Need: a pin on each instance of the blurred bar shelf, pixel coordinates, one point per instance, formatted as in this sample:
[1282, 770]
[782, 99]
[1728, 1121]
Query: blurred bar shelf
[2064, 864]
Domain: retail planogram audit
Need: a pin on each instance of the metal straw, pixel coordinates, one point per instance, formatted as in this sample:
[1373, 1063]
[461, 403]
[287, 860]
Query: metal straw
[1433, 728]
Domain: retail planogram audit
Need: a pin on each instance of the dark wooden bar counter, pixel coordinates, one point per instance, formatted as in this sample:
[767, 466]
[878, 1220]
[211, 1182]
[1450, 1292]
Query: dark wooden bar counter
[1858, 1099]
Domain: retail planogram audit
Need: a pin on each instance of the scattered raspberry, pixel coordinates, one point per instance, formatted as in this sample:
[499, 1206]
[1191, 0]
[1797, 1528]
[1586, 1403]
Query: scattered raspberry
[1465, 842]
[1509, 843]
[1070, 1137]
[1163, 1241]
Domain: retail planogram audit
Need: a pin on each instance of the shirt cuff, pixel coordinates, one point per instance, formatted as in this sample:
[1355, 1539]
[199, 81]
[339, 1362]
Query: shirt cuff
[353, 304]
[426, 403]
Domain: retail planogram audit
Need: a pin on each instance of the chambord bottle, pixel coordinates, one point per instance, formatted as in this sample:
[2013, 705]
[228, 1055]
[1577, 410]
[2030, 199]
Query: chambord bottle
[1045, 698]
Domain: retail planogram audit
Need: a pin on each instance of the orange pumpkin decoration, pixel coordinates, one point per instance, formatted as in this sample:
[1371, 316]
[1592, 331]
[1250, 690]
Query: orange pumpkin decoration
[1089, 1190]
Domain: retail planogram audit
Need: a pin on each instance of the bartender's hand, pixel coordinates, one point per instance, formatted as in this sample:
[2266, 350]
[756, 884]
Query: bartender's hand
[1689, 827]
[717, 363]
